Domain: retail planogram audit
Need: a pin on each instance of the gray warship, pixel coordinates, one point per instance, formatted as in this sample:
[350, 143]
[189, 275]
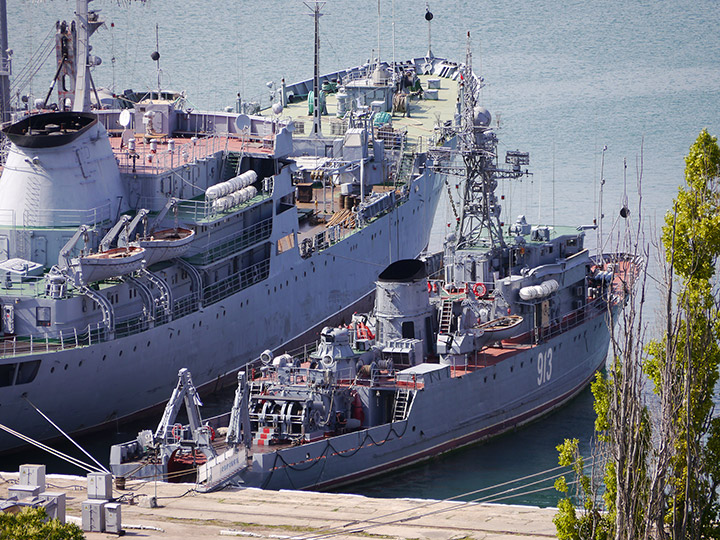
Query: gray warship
[518, 324]
[138, 235]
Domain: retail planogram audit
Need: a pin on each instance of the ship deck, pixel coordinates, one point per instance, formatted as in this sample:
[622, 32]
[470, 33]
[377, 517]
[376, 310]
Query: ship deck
[419, 123]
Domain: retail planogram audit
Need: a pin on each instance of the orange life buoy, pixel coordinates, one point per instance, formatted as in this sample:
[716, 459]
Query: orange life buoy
[479, 290]
[177, 431]
[212, 433]
[429, 287]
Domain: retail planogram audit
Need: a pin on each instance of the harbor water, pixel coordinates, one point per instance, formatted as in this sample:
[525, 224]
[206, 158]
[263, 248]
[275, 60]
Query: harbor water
[564, 81]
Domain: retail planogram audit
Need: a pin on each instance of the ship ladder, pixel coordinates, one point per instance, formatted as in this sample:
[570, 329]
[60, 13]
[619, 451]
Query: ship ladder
[231, 165]
[406, 166]
[403, 400]
[445, 315]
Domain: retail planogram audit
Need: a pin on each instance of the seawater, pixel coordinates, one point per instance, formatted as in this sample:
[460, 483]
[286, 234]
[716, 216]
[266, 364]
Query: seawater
[564, 79]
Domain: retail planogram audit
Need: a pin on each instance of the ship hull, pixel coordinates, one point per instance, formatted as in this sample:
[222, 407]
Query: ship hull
[449, 412]
[88, 387]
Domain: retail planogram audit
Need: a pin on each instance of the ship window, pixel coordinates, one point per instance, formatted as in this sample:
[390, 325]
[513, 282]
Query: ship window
[7, 374]
[42, 316]
[27, 371]
[408, 330]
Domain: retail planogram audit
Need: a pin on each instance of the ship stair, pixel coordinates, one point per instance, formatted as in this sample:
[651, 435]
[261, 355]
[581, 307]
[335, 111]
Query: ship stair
[403, 401]
[231, 165]
[407, 163]
[446, 310]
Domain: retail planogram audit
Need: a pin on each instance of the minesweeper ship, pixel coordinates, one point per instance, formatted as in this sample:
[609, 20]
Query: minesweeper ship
[138, 239]
[517, 325]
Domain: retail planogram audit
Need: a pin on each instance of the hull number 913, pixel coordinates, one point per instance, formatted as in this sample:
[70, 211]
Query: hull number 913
[544, 366]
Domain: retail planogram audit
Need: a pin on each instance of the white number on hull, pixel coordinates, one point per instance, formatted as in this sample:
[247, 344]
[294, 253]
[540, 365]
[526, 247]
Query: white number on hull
[544, 366]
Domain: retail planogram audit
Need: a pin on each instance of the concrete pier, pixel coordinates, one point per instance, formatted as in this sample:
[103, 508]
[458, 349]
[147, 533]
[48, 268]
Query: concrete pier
[182, 513]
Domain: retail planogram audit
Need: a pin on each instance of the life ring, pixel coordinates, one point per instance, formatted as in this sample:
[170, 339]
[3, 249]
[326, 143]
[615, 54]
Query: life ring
[177, 431]
[479, 290]
[429, 287]
[212, 433]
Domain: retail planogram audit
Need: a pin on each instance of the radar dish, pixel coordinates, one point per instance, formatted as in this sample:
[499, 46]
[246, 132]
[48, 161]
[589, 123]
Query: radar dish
[125, 118]
[242, 123]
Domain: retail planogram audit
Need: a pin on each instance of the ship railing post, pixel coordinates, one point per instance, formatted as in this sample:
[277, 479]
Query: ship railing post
[14, 344]
[89, 334]
[31, 343]
[47, 344]
[76, 336]
[62, 343]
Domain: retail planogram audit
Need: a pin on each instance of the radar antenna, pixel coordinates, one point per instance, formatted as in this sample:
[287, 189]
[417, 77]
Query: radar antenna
[479, 221]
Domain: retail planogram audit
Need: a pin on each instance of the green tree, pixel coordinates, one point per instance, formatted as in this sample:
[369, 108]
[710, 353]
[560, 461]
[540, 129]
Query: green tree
[683, 363]
[33, 524]
[663, 469]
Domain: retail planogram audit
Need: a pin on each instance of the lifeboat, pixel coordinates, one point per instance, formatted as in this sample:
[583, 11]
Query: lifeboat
[111, 263]
[166, 244]
[499, 328]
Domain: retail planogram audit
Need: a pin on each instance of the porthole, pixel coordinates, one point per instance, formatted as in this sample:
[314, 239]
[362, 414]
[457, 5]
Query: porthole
[66, 366]
[494, 376]
[413, 428]
[120, 353]
[148, 343]
[104, 357]
[134, 348]
[80, 363]
[52, 370]
[512, 368]
[485, 379]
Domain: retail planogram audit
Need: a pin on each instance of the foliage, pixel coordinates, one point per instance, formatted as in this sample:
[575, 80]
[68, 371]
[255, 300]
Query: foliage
[683, 363]
[662, 476]
[591, 523]
[33, 524]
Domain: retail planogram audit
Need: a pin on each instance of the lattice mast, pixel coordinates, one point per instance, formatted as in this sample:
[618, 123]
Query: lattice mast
[479, 223]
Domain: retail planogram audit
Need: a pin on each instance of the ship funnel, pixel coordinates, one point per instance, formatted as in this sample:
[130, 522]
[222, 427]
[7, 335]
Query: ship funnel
[402, 304]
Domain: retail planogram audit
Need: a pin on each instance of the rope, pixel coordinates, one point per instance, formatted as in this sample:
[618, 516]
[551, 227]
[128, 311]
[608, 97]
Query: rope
[57, 453]
[53, 424]
[343, 529]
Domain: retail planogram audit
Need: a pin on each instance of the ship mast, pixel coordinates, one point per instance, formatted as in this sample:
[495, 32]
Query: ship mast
[5, 70]
[479, 222]
[317, 125]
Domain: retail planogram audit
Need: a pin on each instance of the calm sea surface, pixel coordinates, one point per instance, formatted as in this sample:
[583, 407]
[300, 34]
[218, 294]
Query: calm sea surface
[563, 79]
